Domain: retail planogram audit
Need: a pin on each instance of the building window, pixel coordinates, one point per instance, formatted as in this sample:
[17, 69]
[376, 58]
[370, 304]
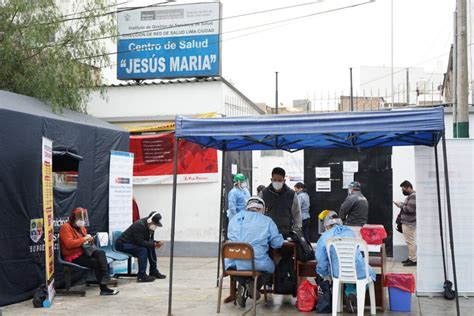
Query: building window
[65, 170]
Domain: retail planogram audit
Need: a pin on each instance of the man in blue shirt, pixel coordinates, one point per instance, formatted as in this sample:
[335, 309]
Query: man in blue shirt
[334, 228]
[238, 196]
[251, 226]
[303, 199]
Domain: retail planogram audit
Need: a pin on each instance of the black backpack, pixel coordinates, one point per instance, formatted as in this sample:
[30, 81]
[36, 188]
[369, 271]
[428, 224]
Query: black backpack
[324, 303]
[40, 295]
[285, 276]
[304, 250]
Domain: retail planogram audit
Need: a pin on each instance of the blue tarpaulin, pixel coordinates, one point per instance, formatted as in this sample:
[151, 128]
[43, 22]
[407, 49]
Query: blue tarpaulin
[353, 130]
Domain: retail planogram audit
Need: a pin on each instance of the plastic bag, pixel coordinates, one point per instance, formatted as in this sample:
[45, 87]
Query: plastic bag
[324, 304]
[307, 297]
[373, 234]
[402, 281]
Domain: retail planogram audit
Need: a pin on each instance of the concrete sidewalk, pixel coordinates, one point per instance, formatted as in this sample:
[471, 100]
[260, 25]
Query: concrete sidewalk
[195, 293]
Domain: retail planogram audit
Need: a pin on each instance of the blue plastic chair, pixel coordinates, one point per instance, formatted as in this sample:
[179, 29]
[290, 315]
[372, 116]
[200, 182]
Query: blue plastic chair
[67, 269]
[115, 236]
[111, 254]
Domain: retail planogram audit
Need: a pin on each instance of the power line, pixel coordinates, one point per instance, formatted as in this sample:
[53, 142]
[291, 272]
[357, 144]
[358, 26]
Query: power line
[206, 21]
[98, 15]
[246, 28]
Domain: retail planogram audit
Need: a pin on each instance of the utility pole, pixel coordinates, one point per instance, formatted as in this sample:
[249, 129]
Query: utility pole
[276, 92]
[462, 92]
[408, 86]
[352, 94]
[391, 50]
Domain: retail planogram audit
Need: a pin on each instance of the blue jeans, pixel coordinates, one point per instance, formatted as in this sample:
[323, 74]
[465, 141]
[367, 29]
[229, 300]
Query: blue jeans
[141, 253]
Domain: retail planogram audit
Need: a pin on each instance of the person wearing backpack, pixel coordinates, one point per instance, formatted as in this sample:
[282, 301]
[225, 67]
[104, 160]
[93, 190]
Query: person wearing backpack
[334, 228]
[252, 227]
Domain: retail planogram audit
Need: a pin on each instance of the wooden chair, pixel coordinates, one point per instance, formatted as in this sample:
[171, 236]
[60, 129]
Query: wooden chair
[239, 251]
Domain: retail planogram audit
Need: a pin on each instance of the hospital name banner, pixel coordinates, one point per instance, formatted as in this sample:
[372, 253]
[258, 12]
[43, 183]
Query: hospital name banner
[154, 160]
[120, 190]
[47, 184]
[430, 276]
[169, 41]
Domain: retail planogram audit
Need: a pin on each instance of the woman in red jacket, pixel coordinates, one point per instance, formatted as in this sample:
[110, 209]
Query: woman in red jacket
[73, 236]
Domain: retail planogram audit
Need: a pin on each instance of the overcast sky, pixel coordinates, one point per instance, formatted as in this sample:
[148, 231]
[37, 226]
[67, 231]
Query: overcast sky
[314, 54]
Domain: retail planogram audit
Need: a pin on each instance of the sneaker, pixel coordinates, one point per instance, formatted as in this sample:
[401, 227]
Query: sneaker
[145, 278]
[405, 261]
[108, 291]
[250, 285]
[351, 303]
[107, 280]
[241, 295]
[410, 264]
[157, 274]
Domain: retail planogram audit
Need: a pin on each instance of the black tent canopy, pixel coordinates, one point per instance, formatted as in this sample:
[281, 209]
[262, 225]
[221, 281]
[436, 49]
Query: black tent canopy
[80, 142]
[352, 130]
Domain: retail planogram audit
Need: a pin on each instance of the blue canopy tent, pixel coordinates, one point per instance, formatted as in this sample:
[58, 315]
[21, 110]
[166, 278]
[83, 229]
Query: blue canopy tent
[351, 130]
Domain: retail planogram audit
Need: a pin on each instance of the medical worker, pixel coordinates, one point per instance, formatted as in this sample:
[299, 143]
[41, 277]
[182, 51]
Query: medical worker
[238, 196]
[251, 226]
[334, 228]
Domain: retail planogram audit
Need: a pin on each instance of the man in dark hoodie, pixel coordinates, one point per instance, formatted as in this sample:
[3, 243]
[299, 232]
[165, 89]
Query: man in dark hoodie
[138, 241]
[282, 204]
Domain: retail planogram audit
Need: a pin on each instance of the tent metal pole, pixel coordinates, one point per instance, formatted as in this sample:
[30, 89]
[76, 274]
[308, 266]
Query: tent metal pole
[440, 212]
[221, 217]
[173, 222]
[450, 222]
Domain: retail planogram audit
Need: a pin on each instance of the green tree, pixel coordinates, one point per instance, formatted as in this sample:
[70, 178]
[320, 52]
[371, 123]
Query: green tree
[51, 55]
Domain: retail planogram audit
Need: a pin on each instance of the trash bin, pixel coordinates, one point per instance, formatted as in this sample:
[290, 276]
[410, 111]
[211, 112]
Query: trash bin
[400, 287]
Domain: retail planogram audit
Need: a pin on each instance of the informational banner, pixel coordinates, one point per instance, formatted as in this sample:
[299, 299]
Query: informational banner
[430, 276]
[120, 190]
[47, 184]
[169, 41]
[154, 160]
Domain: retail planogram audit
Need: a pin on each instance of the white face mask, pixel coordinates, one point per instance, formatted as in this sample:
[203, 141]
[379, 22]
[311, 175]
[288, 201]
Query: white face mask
[243, 185]
[277, 185]
[80, 223]
[152, 227]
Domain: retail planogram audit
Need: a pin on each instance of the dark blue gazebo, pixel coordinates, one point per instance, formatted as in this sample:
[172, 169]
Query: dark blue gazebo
[351, 130]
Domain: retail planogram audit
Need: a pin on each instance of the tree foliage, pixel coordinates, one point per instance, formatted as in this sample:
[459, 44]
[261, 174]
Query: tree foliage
[52, 55]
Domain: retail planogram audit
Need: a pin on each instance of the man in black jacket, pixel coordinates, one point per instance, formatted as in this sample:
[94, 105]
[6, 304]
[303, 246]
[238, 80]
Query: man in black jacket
[282, 204]
[355, 208]
[138, 241]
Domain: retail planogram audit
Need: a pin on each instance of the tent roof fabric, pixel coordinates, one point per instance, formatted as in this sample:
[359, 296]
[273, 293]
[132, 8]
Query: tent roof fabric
[28, 105]
[353, 130]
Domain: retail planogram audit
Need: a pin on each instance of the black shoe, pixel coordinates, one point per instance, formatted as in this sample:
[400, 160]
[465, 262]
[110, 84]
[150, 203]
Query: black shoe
[351, 303]
[241, 295]
[107, 280]
[410, 264]
[108, 291]
[157, 274]
[144, 278]
[405, 261]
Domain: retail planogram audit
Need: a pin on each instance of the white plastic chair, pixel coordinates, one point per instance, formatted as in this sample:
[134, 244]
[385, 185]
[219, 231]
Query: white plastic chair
[346, 249]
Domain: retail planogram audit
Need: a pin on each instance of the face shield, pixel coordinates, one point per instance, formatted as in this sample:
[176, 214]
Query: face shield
[81, 217]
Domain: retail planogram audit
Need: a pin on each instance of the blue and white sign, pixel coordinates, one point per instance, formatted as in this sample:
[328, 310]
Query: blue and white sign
[169, 42]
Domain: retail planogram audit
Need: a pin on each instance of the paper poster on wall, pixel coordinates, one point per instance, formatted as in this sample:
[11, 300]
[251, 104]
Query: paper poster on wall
[347, 178]
[323, 186]
[234, 169]
[323, 172]
[350, 166]
[154, 163]
[120, 190]
[47, 184]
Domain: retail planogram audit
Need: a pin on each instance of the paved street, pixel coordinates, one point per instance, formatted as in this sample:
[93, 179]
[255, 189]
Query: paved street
[195, 294]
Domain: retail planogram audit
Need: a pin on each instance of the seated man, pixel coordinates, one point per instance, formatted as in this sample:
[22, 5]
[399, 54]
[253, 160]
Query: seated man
[252, 227]
[138, 241]
[74, 238]
[334, 228]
